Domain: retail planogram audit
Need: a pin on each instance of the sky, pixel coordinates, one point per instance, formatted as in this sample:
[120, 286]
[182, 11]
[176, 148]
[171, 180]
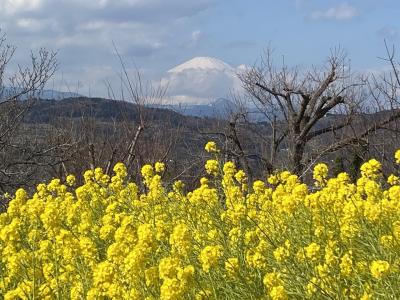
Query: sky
[154, 36]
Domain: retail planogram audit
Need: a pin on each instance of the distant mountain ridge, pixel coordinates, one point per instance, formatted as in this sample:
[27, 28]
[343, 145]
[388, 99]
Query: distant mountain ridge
[47, 94]
[220, 109]
[106, 111]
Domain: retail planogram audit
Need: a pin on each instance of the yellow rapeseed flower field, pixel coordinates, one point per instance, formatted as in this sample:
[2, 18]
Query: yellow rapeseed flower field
[228, 239]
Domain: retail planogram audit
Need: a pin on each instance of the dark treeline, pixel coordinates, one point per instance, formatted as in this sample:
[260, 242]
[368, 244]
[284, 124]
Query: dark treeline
[57, 138]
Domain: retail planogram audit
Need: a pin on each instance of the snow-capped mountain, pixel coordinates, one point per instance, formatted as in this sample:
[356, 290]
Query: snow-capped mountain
[202, 63]
[200, 80]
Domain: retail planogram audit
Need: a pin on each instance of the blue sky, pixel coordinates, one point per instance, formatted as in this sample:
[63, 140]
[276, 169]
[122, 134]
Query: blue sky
[156, 35]
[303, 31]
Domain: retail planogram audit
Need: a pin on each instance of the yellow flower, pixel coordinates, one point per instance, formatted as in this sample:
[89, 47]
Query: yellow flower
[77, 291]
[211, 147]
[210, 256]
[346, 264]
[180, 239]
[204, 294]
[320, 173]
[147, 171]
[168, 267]
[212, 167]
[232, 266]
[272, 279]
[312, 286]
[312, 251]
[281, 253]
[120, 170]
[145, 234]
[229, 168]
[343, 177]
[70, 180]
[186, 275]
[273, 179]
[386, 241]
[371, 168]
[392, 179]
[258, 186]
[171, 289]
[379, 268]
[278, 293]
[103, 273]
[240, 176]
[204, 181]
[159, 167]
[397, 156]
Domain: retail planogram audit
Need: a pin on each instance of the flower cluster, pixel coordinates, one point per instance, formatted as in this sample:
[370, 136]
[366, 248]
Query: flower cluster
[227, 239]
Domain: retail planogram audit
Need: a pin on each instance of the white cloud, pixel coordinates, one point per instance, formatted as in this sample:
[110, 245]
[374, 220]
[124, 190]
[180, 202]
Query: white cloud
[31, 24]
[12, 7]
[339, 13]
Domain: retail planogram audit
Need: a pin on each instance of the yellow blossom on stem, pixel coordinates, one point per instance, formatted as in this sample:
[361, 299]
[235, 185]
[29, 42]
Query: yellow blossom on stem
[211, 147]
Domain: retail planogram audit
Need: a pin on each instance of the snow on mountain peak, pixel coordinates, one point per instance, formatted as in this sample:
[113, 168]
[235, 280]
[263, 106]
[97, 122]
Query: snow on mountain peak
[200, 80]
[202, 63]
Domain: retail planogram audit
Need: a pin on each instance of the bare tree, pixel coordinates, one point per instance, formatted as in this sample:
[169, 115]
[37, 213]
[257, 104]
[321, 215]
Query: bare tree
[295, 102]
[18, 90]
[142, 94]
[313, 113]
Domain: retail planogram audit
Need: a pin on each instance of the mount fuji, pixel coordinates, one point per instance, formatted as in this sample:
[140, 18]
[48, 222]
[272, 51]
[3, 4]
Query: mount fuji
[200, 81]
[202, 63]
